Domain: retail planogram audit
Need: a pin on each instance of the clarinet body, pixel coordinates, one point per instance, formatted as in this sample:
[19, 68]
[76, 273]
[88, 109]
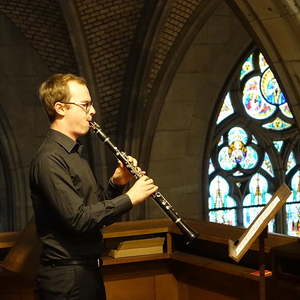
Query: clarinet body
[157, 196]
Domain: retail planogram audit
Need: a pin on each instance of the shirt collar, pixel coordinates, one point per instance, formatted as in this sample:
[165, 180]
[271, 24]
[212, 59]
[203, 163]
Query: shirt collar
[66, 142]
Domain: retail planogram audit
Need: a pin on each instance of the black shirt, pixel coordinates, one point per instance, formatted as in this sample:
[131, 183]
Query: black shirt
[68, 205]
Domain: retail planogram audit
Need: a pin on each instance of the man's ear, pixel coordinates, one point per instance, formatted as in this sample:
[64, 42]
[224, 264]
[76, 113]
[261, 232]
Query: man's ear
[60, 108]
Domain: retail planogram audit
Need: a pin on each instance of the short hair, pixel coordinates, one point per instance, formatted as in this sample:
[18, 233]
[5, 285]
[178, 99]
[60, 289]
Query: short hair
[55, 89]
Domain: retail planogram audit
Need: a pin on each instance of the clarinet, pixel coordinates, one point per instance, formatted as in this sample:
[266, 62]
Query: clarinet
[157, 196]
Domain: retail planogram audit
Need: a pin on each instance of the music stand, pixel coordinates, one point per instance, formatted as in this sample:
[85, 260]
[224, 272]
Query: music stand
[258, 229]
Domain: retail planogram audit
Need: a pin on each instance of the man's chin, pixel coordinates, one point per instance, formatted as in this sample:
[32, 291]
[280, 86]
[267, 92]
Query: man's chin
[87, 128]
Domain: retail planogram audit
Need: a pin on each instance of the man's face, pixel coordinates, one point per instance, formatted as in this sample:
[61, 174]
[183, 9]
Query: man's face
[79, 113]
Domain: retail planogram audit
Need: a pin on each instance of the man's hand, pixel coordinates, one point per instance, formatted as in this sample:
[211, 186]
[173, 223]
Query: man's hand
[121, 175]
[142, 189]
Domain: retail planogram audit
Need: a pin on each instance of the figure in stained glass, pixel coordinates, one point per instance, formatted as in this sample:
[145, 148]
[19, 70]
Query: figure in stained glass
[270, 88]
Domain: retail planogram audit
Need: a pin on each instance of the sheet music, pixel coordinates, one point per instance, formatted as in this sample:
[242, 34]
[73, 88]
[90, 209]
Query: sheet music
[237, 250]
[256, 225]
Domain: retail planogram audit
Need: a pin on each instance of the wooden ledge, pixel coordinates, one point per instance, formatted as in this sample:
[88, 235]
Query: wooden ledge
[215, 265]
[133, 228]
[8, 239]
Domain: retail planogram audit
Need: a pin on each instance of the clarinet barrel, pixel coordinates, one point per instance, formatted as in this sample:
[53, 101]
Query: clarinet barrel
[162, 202]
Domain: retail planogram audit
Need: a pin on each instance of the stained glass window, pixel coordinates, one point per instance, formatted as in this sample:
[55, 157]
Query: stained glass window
[257, 150]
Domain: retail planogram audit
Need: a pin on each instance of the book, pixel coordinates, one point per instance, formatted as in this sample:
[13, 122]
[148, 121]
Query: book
[138, 247]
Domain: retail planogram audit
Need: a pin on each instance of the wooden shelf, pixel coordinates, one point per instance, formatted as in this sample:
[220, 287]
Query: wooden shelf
[132, 228]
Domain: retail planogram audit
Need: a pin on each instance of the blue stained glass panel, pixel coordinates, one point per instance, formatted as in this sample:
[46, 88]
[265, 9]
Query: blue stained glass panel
[271, 226]
[263, 65]
[253, 199]
[227, 216]
[285, 109]
[295, 186]
[250, 160]
[260, 181]
[226, 109]
[249, 215]
[210, 167]
[225, 161]
[219, 194]
[270, 88]
[237, 152]
[238, 173]
[254, 103]
[254, 141]
[247, 66]
[277, 124]
[292, 219]
[221, 141]
[258, 191]
[237, 134]
[278, 145]
[291, 163]
[267, 165]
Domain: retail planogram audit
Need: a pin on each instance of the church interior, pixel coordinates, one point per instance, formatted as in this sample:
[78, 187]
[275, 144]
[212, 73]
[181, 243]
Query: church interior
[205, 95]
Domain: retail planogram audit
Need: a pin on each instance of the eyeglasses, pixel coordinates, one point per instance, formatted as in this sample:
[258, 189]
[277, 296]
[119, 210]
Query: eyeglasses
[85, 105]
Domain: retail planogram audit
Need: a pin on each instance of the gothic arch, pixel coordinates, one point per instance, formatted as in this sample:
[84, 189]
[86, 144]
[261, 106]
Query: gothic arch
[13, 179]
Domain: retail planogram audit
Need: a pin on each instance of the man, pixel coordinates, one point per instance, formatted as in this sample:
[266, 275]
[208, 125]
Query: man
[68, 207]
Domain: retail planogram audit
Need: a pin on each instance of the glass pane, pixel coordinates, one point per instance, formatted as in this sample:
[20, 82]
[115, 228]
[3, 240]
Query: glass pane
[293, 221]
[238, 173]
[291, 163]
[250, 160]
[237, 134]
[221, 141]
[258, 188]
[237, 152]
[226, 109]
[263, 65]
[278, 145]
[295, 186]
[227, 216]
[271, 226]
[219, 194]
[258, 182]
[251, 213]
[256, 199]
[254, 141]
[286, 110]
[270, 88]
[267, 166]
[247, 66]
[210, 167]
[225, 161]
[255, 105]
[277, 124]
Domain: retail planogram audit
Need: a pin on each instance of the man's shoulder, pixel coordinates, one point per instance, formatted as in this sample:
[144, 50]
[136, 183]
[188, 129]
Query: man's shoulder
[47, 152]
[48, 148]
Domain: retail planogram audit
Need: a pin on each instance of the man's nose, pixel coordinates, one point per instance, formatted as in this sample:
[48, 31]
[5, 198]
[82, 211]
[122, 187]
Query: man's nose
[92, 111]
